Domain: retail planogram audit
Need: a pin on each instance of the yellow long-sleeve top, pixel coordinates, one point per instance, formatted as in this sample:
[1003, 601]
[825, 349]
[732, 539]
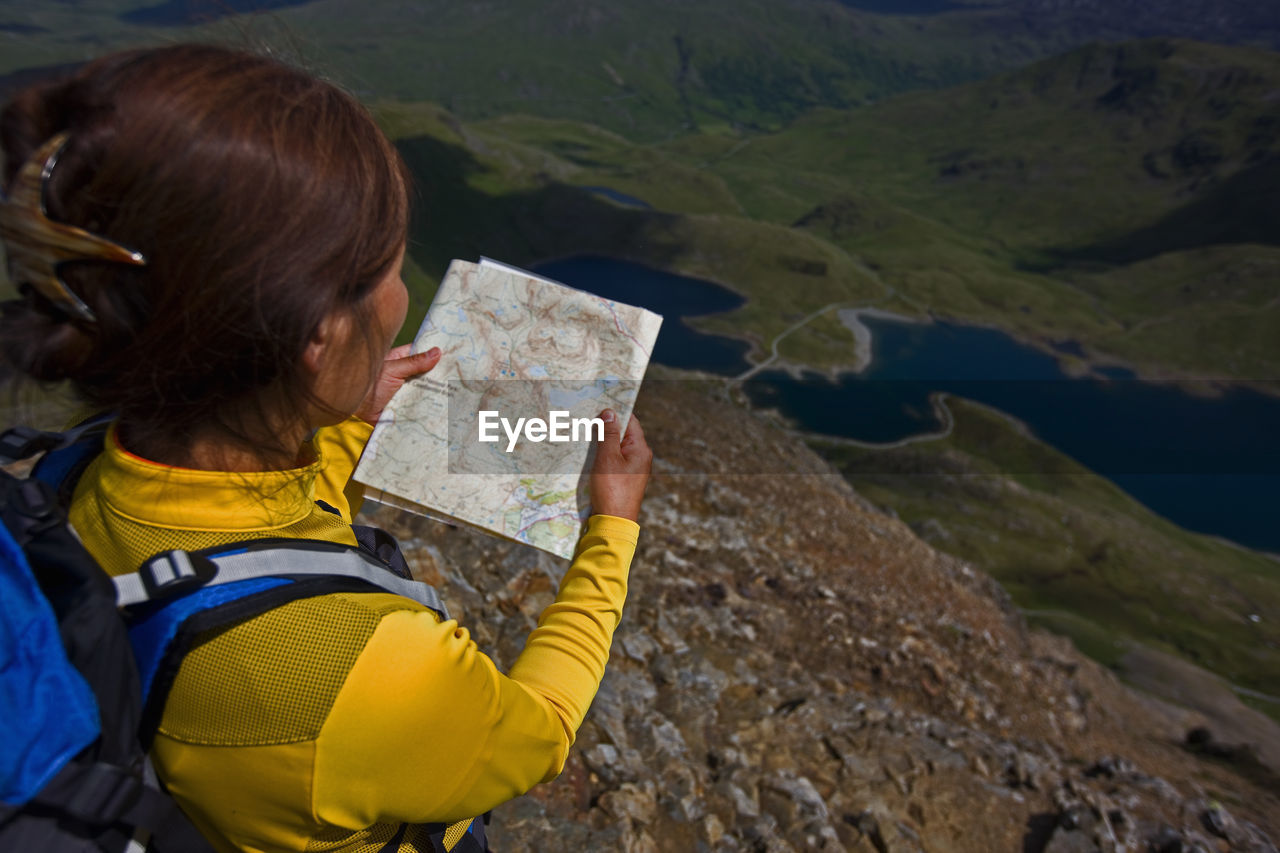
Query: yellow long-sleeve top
[329, 722]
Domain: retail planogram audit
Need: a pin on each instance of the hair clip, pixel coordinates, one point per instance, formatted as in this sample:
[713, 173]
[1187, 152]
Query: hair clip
[36, 245]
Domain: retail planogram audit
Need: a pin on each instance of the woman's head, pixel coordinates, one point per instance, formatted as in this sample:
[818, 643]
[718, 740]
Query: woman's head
[266, 203]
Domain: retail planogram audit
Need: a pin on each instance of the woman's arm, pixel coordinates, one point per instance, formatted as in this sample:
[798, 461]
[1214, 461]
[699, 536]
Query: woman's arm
[427, 729]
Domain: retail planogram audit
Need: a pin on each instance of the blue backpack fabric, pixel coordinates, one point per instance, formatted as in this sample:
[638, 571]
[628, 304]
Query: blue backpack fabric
[50, 711]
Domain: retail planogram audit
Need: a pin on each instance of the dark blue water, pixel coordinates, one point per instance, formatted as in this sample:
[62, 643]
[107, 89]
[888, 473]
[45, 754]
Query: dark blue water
[620, 198]
[1210, 464]
[907, 7]
[672, 296]
[179, 13]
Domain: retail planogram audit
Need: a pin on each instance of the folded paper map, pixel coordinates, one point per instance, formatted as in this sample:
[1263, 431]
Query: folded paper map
[500, 435]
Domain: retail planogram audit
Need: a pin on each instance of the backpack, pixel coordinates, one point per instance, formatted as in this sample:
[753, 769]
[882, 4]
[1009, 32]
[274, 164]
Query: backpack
[86, 660]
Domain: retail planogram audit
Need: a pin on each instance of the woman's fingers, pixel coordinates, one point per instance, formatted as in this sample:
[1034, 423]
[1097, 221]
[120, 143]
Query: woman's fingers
[406, 365]
[399, 366]
[612, 430]
[621, 469]
[634, 437]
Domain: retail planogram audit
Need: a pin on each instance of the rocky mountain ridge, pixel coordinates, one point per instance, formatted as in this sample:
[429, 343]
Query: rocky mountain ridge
[796, 670]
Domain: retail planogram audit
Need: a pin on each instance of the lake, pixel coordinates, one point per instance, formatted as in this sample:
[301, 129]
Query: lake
[619, 197]
[1210, 464]
[179, 13]
[908, 7]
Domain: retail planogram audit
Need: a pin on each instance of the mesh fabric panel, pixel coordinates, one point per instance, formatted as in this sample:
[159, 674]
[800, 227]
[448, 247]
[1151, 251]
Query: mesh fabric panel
[454, 833]
[271, 679]
[370, 840]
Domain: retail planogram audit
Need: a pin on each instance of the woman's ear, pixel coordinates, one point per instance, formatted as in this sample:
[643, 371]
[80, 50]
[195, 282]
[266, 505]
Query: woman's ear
[336, 365]
[313, 355]
[325, 341]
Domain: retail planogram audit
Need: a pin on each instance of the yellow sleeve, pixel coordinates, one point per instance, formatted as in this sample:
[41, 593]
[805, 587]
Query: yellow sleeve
[427, 729]
[339, 447]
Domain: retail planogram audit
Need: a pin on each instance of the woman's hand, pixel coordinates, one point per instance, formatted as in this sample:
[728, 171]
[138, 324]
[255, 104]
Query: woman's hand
[398, 368]
[621, 469]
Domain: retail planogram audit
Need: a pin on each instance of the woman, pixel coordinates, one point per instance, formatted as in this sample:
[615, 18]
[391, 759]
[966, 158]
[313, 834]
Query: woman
[233, 301]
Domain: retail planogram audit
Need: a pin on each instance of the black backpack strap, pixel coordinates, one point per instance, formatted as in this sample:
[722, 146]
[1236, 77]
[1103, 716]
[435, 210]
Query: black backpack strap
[461, 837]
[377, 542]
[66, 454]
[384, 546]
[99, 796]
[23, 442]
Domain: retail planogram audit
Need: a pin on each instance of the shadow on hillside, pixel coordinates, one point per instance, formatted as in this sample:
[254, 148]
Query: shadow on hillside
[16, 81]
[454, 219]
[1245, 208]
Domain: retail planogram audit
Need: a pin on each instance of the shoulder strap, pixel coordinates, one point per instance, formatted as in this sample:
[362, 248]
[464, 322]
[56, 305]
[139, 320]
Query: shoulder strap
[97, 794]
[23, 442]
[178, 596]
[174, 573]
[66, 454]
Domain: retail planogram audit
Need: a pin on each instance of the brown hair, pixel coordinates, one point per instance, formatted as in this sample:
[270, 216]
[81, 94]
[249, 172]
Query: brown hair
[262, 198]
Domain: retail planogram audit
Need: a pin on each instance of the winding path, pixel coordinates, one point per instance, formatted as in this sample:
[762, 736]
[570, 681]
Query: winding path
[890, 292]
[808, 318]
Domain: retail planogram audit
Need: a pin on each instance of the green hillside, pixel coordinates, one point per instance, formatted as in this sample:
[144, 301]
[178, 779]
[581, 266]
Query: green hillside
[1055, 202]
[1051, 201]
[1076, 551]
[645, 69]
[1039, 200]
[482, 193]
[648, 70]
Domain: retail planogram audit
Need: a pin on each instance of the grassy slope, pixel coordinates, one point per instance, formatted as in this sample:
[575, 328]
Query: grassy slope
[1071, 546]
[1008, 202]
[1026, 154]
[998, 202]
[648, 69]
[1196, 310]
[919, 258]
[484, 192]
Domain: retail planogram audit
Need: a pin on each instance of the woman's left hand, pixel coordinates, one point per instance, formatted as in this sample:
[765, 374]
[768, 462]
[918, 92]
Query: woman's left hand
[399, 367]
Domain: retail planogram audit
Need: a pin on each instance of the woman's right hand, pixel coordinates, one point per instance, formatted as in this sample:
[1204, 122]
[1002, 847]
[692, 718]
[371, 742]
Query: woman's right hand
[621, 469]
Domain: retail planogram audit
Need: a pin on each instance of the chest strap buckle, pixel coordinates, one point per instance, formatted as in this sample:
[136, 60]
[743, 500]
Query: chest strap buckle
[174, 572]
